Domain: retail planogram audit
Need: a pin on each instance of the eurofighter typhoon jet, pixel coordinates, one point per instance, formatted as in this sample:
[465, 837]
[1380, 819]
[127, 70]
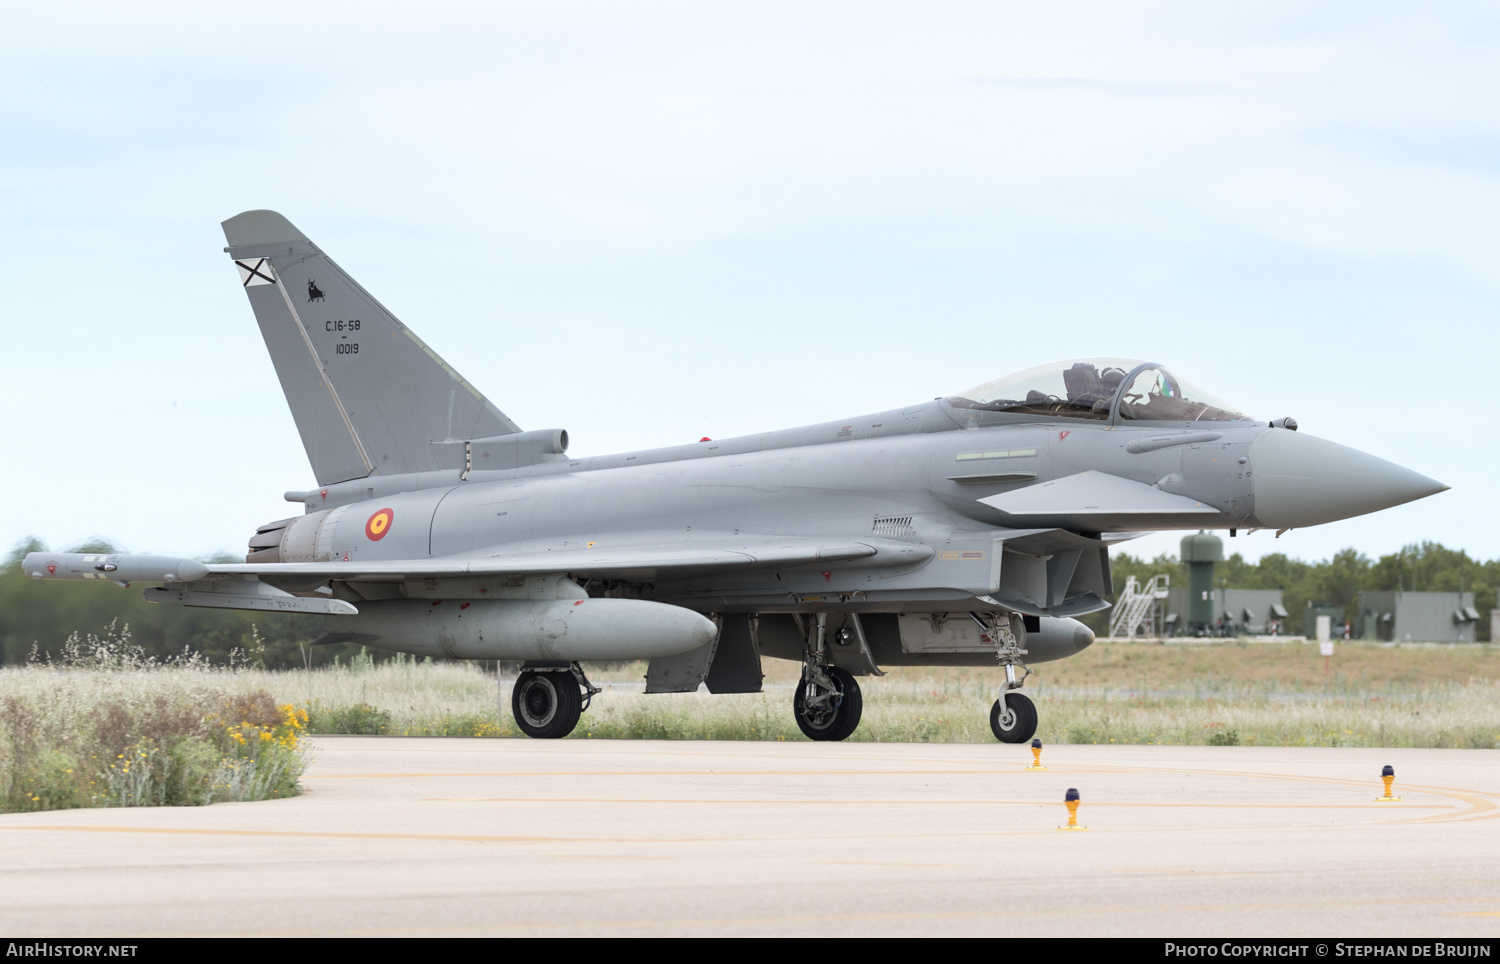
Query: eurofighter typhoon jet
[963, 531]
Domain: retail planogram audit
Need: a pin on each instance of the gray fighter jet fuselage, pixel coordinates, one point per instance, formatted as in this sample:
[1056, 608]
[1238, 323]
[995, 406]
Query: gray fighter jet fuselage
[963, 530]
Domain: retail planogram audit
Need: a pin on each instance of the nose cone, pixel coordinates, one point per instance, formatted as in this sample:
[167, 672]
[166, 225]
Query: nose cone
[1083, 637]
[1301, 480]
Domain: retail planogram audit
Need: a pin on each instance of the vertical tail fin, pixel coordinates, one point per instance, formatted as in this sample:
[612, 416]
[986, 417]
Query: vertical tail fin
[368, 395]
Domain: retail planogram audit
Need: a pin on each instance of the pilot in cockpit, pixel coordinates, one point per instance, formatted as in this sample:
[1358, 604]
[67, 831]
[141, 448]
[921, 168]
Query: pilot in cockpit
[1088, 388]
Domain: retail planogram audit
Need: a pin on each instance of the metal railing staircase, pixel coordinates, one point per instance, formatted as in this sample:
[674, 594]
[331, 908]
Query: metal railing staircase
[1140, 609]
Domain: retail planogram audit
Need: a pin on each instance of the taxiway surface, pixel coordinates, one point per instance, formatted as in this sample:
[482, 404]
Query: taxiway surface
[427, 836]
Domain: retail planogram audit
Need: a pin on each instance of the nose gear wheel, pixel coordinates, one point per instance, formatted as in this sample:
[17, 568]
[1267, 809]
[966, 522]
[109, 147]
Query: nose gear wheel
[1015, 722]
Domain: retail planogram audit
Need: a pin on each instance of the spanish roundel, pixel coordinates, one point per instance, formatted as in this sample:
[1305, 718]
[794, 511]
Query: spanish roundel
[379, 524]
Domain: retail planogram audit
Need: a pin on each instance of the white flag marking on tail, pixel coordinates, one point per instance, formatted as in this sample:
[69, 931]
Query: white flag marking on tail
[256, 272]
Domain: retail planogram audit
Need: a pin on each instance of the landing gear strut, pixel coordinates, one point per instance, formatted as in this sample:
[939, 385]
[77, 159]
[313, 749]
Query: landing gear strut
[1013, 717]
[827, 702]
[547, 700]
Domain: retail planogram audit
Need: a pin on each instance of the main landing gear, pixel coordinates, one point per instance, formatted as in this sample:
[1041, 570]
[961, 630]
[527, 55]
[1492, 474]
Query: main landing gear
[1013, 717]
[827, 703]
[548, 700]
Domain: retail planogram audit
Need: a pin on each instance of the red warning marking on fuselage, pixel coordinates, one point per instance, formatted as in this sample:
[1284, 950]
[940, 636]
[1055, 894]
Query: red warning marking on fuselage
[379, 524]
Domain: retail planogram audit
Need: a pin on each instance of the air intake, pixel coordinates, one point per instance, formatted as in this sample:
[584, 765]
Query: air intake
[896, 527]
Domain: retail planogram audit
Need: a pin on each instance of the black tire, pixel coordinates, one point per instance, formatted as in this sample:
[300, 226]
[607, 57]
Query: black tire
[546, 705]
[1019, 724]
[837, 724]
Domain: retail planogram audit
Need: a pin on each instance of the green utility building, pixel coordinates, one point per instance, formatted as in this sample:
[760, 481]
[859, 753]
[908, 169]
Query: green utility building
[1203, 609]
[1254, 612]
[1200, 552]
[1336, 619]
[1417, 617]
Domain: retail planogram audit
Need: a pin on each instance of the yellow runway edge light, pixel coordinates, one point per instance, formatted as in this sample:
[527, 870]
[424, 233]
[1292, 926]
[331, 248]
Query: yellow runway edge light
[1071, 799]
[1036, 756]
[1388, 774]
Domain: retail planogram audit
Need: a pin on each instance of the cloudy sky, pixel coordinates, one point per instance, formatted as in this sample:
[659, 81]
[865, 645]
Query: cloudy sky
[649, 222]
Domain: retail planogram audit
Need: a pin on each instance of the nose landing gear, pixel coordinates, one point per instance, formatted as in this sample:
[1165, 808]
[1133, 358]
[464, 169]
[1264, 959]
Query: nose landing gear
[1013, 717]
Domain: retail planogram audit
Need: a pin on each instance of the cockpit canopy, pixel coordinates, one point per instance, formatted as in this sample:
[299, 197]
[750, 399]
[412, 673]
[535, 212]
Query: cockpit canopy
[1090, 387]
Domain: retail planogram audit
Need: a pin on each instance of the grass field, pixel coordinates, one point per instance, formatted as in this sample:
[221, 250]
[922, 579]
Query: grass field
[90, 737]
[107, 728]
[1276, 694]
